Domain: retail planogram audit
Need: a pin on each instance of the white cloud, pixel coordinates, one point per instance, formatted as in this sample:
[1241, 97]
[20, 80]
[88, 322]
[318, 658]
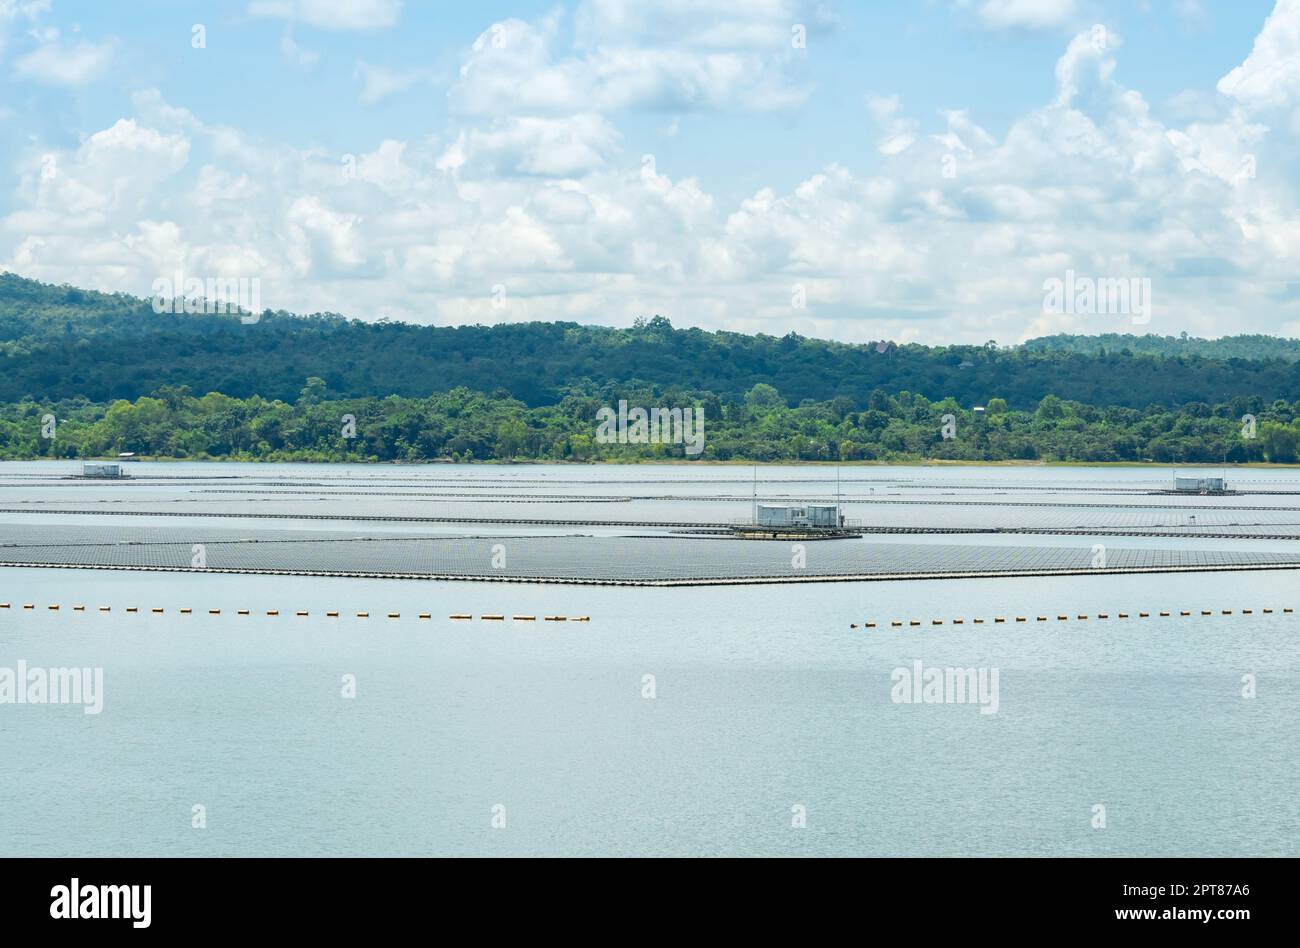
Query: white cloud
[1026, 14]
[1270, 76]
[899, 132]
[380, 82]
[66, 64]
[557, 148]
[674, 57]
[337, 15]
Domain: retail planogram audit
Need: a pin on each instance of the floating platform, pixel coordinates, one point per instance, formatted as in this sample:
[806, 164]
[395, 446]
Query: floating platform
[752, 531]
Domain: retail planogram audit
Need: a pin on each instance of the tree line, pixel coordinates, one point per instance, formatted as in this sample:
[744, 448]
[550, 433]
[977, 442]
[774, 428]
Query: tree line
[465, 425]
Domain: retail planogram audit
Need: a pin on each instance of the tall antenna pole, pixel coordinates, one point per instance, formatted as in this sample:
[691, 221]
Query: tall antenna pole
[754, 513]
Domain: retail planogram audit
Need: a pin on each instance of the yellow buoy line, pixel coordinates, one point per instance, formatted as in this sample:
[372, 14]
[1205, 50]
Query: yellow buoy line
[913, 623]
[331, 614]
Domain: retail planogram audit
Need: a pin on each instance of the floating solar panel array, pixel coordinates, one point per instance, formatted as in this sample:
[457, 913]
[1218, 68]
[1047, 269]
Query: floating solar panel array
[574, 558]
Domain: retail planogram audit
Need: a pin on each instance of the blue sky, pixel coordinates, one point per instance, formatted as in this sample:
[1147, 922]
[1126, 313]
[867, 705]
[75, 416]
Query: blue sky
[912, 170]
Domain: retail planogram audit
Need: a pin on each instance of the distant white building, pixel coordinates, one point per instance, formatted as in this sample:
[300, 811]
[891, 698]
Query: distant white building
[1196, 484]
[805, 515]
[102, 469]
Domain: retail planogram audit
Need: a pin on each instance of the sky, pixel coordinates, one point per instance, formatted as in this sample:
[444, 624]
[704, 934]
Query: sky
[925, 171]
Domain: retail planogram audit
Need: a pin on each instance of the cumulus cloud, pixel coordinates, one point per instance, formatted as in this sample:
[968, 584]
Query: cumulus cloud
[1270, 76]
[670, 57]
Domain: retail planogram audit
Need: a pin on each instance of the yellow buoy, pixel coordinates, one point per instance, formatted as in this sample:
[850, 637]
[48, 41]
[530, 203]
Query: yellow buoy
[496, 618]
[460, 615]
[525, 618]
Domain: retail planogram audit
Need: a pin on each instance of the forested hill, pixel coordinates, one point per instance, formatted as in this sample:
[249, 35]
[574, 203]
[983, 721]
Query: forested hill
[1229, 347]
[59, 342]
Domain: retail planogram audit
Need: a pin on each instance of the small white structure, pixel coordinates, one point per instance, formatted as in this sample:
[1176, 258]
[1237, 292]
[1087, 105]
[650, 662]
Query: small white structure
[1195, 484]
[806, 515]
[102, 469]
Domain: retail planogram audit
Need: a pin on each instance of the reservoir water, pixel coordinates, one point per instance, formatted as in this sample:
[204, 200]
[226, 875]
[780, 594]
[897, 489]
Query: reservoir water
[676, 721]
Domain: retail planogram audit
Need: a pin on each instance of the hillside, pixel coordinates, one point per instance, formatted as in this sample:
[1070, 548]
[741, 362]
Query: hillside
[61, 342]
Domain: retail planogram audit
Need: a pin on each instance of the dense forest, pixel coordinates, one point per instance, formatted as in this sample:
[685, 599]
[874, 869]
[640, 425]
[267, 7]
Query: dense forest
[84, 374]
[62, 342]
[464, 425]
